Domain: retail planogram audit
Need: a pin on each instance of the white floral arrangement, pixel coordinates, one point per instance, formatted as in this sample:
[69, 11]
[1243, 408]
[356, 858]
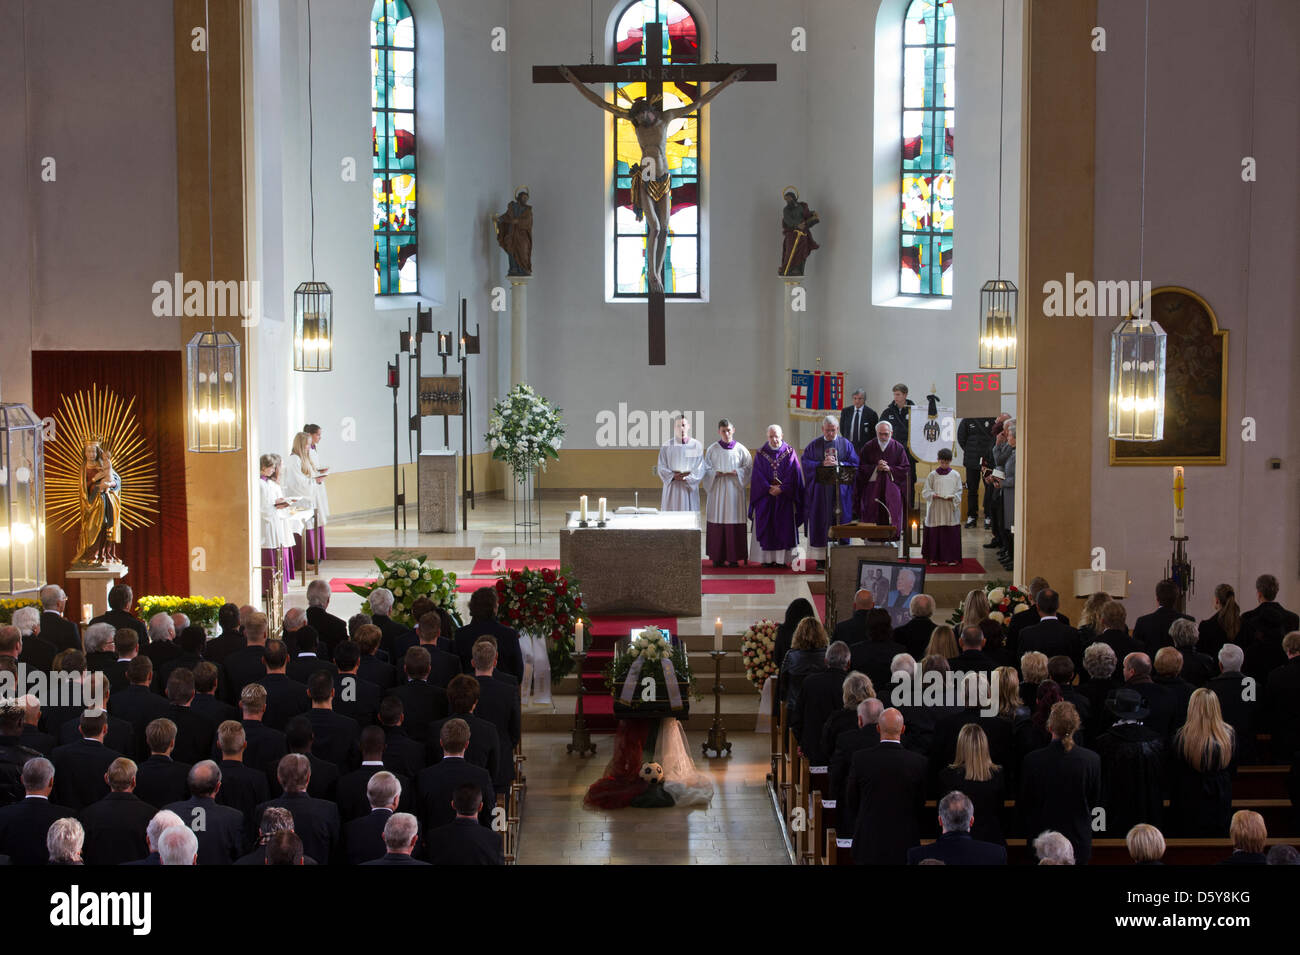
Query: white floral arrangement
[758, 651]
[524, 430]
[1005, 601]
[651, 644]
[409, 578]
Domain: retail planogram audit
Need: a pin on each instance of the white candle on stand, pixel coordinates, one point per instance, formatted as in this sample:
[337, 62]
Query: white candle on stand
[582, 508]
[87, 611]
[717, 636]
[1180, 529]
[601, 504]
[577, 637]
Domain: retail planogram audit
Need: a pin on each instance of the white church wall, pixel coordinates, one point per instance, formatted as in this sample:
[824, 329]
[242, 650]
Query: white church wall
[78, 265]
[1201, 233]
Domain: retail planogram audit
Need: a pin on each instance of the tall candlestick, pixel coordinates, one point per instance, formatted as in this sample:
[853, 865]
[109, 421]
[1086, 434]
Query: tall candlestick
[582, 508]
[577, 638]
[717, 636]
[603, 509]
[1180, 529]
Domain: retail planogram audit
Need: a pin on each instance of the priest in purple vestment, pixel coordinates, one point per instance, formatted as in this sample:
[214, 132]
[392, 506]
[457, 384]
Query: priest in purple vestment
[882, 476]
[776, 500]
[819, 513]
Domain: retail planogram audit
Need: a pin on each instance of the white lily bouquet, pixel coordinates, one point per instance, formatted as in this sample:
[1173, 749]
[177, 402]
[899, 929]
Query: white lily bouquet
[524, 430]
[652, 675]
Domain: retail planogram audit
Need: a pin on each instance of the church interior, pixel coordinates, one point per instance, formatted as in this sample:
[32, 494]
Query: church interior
[1009, 391]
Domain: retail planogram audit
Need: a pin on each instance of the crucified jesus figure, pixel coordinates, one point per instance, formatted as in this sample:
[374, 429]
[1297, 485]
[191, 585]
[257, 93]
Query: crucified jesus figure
[651, 182]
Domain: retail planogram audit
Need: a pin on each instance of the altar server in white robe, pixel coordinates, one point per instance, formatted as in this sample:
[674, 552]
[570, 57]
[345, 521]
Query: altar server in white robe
[322, 495]
[300, 482]
[275, 533]
[681, 465]
[727, 467]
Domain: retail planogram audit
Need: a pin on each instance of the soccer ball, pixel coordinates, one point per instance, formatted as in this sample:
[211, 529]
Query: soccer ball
[652, 772]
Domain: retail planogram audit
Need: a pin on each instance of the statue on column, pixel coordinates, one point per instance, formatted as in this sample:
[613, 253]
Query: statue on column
[797, 221]
[101, 507]
[515, 233]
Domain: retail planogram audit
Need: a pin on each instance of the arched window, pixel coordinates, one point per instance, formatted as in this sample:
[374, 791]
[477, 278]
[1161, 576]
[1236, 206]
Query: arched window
[929, 101]
[392, 73]
[682, 263]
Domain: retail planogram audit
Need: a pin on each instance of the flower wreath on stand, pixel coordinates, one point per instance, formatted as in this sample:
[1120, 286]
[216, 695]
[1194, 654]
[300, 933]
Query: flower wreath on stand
[408, 578]
[758, 652]
[524, 430]
[544, 606]
[1005, 601]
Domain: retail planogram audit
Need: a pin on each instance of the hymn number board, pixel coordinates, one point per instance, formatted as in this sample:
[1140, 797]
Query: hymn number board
[979, 394]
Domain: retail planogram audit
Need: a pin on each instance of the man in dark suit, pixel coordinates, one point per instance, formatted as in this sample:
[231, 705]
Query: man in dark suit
[486, 744]
[854, 630]
[80, 767]
[875, 656]
[208, 679]
[307, 661]
[160, 780]
[230, 639]
[955, 846]
[1061, 784]
[1242, 714]
[1028, 618]
[363, 836]
[1114, 622]
[381, 605]
[266, 746]
[972, 656]
[371, 667]
[21, 642]
[120, 736]
[334, 736]
[411, 638]
[23, 825]
[195, 734]
[276, 823]
[915, 634]
[115, 825]
[331, 629]
[126, 647]
[1161, 701]
[422, 701]
[285, 698]
[975, 438]
[498, 703]
[220, 829]
[299, 737]
[1050, 636]
[483, 622]
[316, 821]
[401, 836]
[242, 787]
[858, 422]
[850, 742]
[30, 734]
[354, 696]
[822, 695]
[56, 629]
[138, 704]
[1152, 629]
[1269, 615]
[14, 753]
[351, 796]
[403, 755]
[245, 665]
[119, 613]
[190, 643]
[443, 664]
[1060, 669]
[436, 784]
[463, 841]
[162, 641]
[101, 649]
[884, 797]
[1282, 701]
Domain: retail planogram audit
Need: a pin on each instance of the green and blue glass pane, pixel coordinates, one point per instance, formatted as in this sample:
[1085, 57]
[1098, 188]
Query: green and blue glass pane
[395, 264]
[392, 71]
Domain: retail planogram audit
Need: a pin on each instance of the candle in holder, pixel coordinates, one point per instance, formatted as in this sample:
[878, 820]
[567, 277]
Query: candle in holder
[577, 636]
[717, 636]
[87, 611]
[603, 512]
[582, 508]
[1180, 529]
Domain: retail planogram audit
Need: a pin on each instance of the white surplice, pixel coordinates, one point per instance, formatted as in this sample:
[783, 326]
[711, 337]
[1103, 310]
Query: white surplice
[728, 494]
[278, 527]
[942, 513]
[320, 495]
[297, 484]
[683, 495]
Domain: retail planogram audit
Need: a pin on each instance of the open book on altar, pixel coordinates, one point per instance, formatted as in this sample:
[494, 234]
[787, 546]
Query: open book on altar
[636, 510]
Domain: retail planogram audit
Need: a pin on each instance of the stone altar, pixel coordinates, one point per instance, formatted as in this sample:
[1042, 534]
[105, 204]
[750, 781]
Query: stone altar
[436, 476]
[636, 563]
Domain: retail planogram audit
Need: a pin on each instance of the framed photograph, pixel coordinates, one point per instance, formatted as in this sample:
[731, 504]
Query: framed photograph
[1196, 386]
[893, 585]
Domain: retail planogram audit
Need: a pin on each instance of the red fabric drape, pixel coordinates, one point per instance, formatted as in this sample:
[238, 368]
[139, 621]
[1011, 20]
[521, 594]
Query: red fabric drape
[157, 556]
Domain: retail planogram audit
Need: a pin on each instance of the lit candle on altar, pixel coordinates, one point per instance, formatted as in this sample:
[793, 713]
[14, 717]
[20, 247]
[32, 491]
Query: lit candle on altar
[1180, 529]
[87, 611]
[577, 637]
[717, 636]
[603, 511]
[582, 508]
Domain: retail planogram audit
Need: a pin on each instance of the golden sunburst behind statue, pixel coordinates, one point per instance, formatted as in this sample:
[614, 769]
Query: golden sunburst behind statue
[99, 474]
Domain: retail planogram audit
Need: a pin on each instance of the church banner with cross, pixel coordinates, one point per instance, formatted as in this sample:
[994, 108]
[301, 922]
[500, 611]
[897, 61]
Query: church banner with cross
[815, 394]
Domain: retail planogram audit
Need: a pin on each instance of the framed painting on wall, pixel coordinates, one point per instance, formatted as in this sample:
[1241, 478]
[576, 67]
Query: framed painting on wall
[1196, 386]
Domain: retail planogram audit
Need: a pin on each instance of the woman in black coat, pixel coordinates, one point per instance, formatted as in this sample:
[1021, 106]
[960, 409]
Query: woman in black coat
[983, 781]
[1224, 626]
[1200, 784]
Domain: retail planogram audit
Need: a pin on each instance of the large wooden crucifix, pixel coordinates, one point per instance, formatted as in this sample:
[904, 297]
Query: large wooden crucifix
[651, 178]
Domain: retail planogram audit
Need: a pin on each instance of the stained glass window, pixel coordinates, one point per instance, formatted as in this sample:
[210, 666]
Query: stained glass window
[392, 103]
[929, 101]
[681, 44]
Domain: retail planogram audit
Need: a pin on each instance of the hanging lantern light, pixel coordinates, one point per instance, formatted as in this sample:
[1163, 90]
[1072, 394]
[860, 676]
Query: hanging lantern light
[998, 300]
[313, 322]
[212, 363]
[1137, 380]
[998, 297]
[22, 500]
